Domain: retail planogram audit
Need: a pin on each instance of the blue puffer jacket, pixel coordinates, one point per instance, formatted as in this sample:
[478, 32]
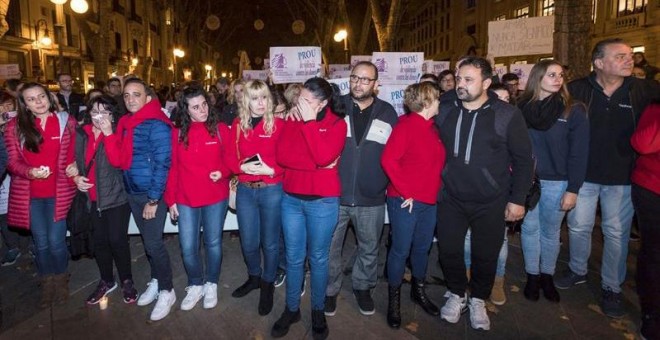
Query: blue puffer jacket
[152, 157]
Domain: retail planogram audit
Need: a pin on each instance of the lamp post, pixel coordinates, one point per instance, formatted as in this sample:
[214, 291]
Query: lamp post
[78, 6]
[343, 35]
[178, 53]
[45, 39]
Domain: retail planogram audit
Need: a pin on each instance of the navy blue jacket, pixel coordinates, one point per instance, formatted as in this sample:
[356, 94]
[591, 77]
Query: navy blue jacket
[562, 151]
[152, 158]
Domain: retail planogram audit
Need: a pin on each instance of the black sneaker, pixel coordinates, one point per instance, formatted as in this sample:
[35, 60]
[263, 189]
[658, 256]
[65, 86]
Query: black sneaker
[10, 257]
[650, 327]
[365, 302]
[129, 291]
[102, 289]
[612, 305]
[569, 279]
[330, 305]
[280, 276]
[319, 325]
[281, 326]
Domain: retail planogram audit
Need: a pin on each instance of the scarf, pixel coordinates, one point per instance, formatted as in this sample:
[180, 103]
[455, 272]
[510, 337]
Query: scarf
[542, 114]
[127, 124]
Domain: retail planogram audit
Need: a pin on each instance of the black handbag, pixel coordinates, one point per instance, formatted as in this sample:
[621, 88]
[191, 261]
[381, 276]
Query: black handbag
[79, 221]
[534, 194]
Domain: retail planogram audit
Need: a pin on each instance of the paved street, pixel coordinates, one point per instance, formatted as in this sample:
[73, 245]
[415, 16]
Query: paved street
[576, 317]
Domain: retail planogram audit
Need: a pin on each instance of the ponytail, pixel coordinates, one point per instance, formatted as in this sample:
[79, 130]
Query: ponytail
[323, 90]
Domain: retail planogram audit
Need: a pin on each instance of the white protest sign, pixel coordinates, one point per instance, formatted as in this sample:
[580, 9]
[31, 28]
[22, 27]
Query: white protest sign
[255, 75]
[10, 71]
[340, 74]
[520, 36]
[434, 67]
[343, 83]
[358, 58]
[169, 107]
[393, 94]
[522, 71]
[400, 68]
[295, 64]
[500, 70]
[4, 195]
[338, 70]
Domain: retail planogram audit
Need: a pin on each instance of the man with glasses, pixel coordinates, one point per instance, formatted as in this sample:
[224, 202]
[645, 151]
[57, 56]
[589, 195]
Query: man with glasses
[363, 182]
[511, 82]
[70, 101]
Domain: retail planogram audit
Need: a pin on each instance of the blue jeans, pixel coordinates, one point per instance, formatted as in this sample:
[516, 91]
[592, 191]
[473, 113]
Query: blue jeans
[49, 237]
[540, 229]
[212, 217]
[501, 259]
[412, 234]
[308, 226]
[259, 217]
[616, 212]
[152, 238]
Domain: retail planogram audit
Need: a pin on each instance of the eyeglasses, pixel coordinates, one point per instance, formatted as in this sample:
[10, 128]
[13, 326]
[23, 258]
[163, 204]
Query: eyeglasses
[94, 112]
[362, 80]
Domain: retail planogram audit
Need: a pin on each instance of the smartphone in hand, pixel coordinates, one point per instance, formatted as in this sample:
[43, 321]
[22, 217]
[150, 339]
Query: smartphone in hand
[254, 159]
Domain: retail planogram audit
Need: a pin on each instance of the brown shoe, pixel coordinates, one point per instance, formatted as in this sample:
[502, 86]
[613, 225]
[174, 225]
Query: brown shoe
[47, 291]
[61, 282]
[497, 295]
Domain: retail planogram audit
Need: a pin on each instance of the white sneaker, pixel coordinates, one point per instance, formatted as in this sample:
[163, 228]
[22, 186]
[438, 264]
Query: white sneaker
[453, 308]
[166, 299]
[150, 294]
[478, 314]
[210, 295]
[195, 293]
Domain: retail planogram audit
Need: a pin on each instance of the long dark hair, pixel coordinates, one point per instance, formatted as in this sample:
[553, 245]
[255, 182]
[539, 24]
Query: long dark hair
[322, 90]
[183, 120]
[533, 88]
[27, 131]
[105, 101]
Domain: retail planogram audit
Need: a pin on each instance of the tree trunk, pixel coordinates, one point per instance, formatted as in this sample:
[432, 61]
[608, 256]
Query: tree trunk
[99, 40]
[364, 34]
[572, 38]
[386, 31]
[4, 26]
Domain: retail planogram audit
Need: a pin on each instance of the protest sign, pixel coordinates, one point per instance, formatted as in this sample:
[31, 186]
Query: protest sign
[255, 74]
[400, 68]
[393, 94]
[434, 67]
[295, 64]
[358, 58]
[522, 71]
[343, 83]
[519, 37]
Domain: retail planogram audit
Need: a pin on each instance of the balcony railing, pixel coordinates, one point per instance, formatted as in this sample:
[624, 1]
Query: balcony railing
[628, 22]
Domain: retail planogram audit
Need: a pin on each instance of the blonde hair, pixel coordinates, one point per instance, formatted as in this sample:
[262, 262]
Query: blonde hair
[254, 89]
[231, 93]
[292, 93]
[421, 95]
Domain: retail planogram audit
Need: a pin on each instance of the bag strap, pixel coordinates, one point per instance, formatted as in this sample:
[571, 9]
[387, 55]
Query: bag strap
[91, 161]
[238, 136]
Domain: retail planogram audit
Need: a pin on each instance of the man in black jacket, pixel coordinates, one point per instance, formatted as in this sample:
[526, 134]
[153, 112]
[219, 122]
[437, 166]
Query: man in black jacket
[363, 182]
[70, 101]
[487, 175]
[615, 101]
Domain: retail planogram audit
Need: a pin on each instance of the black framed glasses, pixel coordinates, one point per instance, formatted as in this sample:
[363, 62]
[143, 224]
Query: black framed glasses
[361, 80]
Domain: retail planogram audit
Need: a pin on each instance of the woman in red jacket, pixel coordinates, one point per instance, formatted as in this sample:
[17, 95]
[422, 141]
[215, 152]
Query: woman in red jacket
[255, 135]
[40, 143]
[646, 198]
[197, 192]
[413, 159]
[309, 152]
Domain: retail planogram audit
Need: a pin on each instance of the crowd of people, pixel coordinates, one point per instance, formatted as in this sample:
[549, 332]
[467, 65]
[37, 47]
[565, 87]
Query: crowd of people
[472, 157]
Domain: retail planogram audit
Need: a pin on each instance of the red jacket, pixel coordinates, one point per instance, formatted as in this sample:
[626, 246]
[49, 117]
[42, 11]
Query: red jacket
[188, 181]
[19, 191]
[646, 141]
[257, 141]
[413, 159]
[305, 149]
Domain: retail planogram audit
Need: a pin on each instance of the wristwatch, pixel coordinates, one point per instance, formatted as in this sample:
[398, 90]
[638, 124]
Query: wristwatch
[153, 202]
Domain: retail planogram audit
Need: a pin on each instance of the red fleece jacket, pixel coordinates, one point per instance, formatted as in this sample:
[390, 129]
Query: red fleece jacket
[413, 159]
[306, 149]
[646, 141]
[259, 142]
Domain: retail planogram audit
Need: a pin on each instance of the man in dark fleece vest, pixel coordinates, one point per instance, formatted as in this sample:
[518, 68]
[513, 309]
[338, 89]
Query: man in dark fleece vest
[487, 175]
[370, 122]
[615, 102]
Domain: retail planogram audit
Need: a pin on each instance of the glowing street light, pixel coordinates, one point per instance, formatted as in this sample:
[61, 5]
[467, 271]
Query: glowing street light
[343, 35]
[79, 6]
[179, 53]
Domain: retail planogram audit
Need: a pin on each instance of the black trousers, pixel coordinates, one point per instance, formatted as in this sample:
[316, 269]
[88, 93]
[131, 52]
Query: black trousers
[110, 233]
[647, 207]
[487, 223]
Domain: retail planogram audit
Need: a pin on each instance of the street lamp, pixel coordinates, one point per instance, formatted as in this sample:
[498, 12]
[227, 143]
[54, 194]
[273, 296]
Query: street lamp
[178, 53]
[45, 40]
[78, 6]
[343, 35]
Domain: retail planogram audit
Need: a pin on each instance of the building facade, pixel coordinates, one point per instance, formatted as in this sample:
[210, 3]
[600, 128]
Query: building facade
[447, 30]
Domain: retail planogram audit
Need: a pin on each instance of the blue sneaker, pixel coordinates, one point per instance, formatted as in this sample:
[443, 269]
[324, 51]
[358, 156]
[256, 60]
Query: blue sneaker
[10, 257]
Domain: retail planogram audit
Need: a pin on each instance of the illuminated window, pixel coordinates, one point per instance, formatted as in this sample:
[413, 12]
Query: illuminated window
[547, 7]
[500, 17]
[628, 7]
[522, 12]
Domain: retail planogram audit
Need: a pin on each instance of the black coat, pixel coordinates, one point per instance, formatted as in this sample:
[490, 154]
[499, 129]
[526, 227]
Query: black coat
[76, 100]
